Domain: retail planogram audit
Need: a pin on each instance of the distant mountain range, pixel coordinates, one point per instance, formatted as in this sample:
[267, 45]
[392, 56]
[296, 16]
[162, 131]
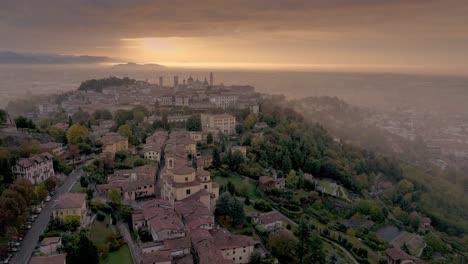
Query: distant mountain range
[9, 57]
[136, 66]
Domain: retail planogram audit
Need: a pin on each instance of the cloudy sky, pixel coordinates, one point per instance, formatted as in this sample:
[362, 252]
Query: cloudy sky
[428, 35]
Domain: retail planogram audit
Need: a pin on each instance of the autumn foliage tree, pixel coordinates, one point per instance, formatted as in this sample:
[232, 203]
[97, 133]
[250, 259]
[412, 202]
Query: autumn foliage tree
[77, 133]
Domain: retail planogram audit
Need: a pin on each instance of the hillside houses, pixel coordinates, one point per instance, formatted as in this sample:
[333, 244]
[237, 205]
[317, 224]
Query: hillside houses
[187, 231]
[134, 183]
[36, 168]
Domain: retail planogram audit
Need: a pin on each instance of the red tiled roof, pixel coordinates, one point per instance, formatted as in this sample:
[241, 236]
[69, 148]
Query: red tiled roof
[270, 217]
[70, 200]
[155, 257]
[51, 259]
[224, 239]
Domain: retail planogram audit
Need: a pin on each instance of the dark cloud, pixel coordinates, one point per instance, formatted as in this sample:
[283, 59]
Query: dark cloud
[425, 29]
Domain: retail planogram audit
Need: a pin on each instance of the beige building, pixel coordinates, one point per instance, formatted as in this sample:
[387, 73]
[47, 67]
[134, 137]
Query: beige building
[36, 168]
[224, 123]
[179, 178]
[237, 248]
[270, 221]
[113, 143]
[55, 148]
[181, 181]
[71, 204]
[154, 146]
[132, 184]
[269, 183]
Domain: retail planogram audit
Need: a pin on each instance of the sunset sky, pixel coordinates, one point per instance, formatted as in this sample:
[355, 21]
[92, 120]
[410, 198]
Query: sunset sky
[428, 35]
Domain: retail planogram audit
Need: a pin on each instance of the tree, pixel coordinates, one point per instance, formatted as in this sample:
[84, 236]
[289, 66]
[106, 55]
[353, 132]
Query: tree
[209, 138]
[72, 222]
[216, 158]
[194, 123]
[262, 205]
[309, 248]
[224, 204]
[23, 122]
[102, 114]
[77, 133]
[114, 197]
[80, 250]
[250, 120]
[283, 245]
[125, 131]
[237, 212]
[247, 201]
[50, 183]
[292, 180]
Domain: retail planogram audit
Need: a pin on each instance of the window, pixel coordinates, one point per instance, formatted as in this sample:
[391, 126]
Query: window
[187, 191]
[206, 186]
[186, 179]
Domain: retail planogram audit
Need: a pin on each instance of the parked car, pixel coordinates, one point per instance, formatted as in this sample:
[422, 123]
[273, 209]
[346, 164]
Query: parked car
[52, 193]
[14, 243]
[47, 198]
[37, 209]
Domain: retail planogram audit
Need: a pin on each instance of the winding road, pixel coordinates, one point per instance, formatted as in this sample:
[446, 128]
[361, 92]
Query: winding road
[32, 237]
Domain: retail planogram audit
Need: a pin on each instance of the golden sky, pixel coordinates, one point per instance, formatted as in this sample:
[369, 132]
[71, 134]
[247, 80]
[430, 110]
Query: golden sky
[429, 35]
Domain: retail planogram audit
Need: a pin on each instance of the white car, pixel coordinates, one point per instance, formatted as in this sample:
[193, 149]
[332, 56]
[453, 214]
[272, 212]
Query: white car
[47, 198]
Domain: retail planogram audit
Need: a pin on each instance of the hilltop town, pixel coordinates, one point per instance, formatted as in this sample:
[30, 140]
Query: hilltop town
[127, 171]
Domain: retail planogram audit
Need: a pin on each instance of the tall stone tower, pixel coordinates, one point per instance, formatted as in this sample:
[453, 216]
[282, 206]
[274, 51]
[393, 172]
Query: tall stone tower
[160, 81]
[176, 81]
[211, 79]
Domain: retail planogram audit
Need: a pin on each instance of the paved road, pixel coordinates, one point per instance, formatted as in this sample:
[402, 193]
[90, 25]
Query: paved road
[31, 239]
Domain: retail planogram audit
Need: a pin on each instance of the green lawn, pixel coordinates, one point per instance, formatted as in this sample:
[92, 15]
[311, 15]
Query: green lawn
[122, 256]
[242, 185]
[100, 231]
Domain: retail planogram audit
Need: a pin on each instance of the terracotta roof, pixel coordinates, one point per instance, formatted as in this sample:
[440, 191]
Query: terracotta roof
[167, 221]
[187, 259]
[397, 254]
[265, 179]
[155, 257]
[70, 200]
[225, 240]
[199, 235]
[51, 259]
[203, 173]
[270, 217]
[38, 158]
[111, 138]
[50, 240]
[177, 244]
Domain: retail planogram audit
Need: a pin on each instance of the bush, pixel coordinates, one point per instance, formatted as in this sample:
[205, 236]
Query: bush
[100, 216]
[262, 206]
[291, 211]
[104, 250]
[84, 182]
[114, 245]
